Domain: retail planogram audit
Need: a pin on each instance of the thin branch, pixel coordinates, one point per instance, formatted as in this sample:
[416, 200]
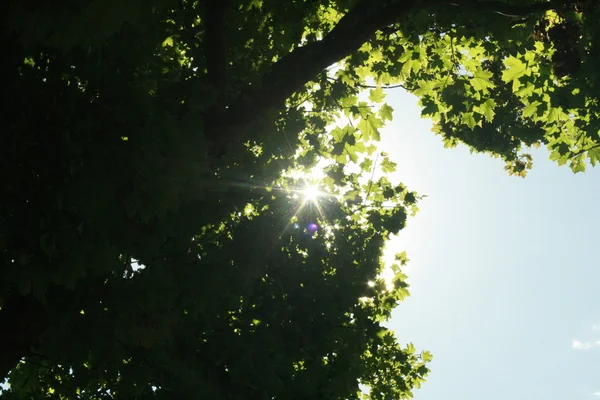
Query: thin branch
[308, 96]
[347, 117]
[372, 175]
[508, 10]
[36, 364]
[580, 152]
[453, 55]
[360, 85]
[399, 85]
[339, 107]
[40, 355]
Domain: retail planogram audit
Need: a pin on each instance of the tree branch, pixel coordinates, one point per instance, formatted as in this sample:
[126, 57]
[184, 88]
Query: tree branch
[216, 48]
[508, 10]
[298, 67]
[216, 62]
[582, 151]
[360, 85]
[294, 70]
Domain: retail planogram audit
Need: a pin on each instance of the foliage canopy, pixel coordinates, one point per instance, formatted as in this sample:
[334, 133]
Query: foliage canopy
[154, 239]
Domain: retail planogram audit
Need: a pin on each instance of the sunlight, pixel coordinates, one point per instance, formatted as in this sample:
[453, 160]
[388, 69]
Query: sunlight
[311, 193]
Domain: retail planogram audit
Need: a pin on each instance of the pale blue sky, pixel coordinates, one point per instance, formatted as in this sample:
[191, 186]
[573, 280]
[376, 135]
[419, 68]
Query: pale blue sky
[503, 270]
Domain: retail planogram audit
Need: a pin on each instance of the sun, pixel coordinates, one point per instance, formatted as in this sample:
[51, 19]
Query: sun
[311, 193]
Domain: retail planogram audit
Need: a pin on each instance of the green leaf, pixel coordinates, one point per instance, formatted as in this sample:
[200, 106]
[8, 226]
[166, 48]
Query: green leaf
[338, 135]
[352, 195]
[351, 152]
[388, 166]
[531, 109]
[468, 119]
[487, 109]
[366, 164]
[376, 95]
[481, 81]
[577, 165]
[401, 257]
[386, 112]
[369, 128]
[594, 155]
[426, 356]
[430, 108]
[425, 88]
[555, 114]
[515, 68]
[526, 90]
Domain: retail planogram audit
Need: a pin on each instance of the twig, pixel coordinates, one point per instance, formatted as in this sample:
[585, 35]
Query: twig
[383, 87]
[508, 10]
[372, 175]
[580, 152]
[360, 85]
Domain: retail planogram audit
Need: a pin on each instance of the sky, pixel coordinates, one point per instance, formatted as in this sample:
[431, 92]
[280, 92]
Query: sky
[503, 271]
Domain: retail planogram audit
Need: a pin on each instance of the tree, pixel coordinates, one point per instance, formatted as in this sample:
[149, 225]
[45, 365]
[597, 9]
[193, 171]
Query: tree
[154, 237]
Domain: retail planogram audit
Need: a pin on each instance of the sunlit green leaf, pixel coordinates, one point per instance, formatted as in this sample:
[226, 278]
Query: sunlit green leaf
[515, 68]
[369, 128]
[376, 95]
[481, 81]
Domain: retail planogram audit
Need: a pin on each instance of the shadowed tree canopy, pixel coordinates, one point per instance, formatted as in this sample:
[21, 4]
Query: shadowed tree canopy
[154, 238]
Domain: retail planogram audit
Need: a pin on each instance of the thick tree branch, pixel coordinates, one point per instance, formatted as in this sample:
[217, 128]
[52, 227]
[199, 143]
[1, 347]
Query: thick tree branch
[216, 61]
[216, 48]
[302, 64]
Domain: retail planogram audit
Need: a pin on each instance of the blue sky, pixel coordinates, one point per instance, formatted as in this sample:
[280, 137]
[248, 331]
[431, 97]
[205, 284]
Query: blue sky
[503, 270]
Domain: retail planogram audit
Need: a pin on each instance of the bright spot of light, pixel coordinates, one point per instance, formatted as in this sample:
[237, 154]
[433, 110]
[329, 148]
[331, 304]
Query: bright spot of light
[311, 193]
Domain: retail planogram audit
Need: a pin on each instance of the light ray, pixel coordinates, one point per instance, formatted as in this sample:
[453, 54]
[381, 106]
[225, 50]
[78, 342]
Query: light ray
[311, 193]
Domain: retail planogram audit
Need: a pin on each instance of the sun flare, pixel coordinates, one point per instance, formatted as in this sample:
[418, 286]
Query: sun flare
[311, 193]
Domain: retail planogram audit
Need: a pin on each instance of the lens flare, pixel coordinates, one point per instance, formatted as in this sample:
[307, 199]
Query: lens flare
[312, 228]
[311, 193]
